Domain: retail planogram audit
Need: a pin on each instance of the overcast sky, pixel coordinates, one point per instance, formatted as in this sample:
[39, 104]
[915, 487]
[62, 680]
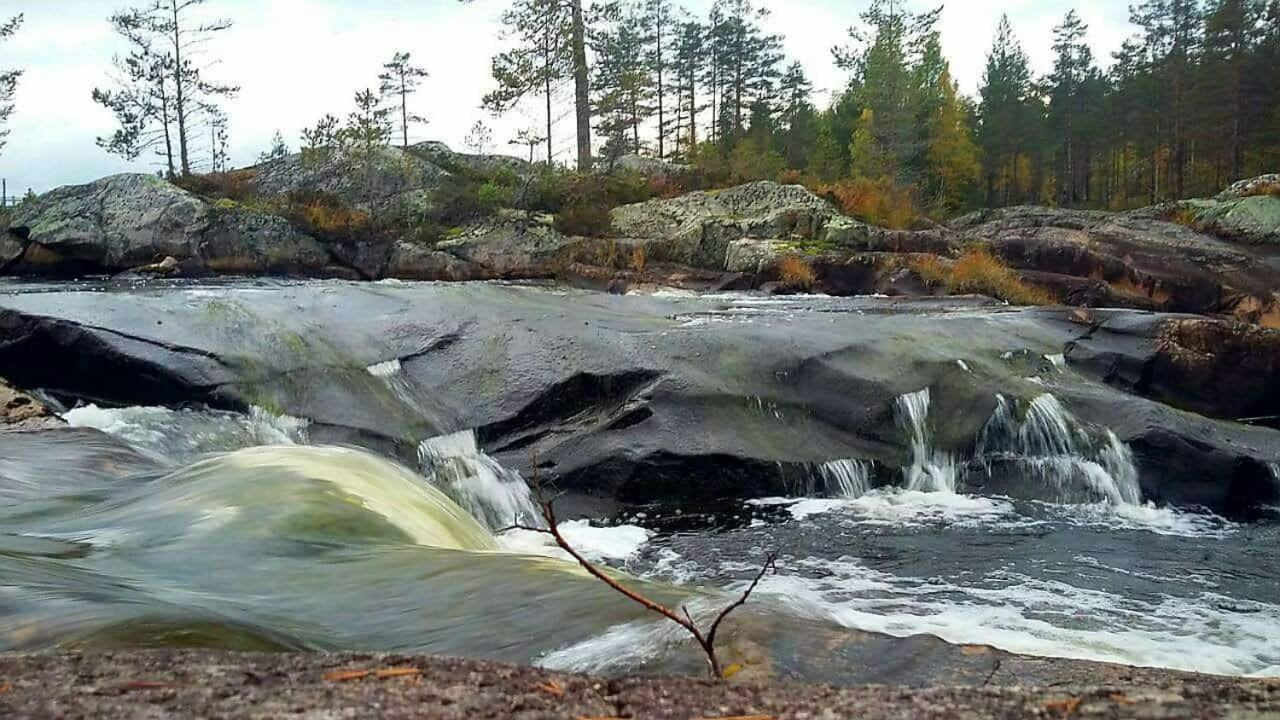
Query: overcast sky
[298, 59]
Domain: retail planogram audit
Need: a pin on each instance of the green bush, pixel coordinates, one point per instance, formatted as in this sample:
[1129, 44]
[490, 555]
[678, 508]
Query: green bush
[586, 216]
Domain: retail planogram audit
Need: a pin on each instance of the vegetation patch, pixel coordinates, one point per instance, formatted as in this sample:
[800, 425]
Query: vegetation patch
[979, 272]
[795, 273]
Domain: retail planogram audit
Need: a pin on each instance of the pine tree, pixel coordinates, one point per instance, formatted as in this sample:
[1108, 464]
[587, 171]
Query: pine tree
[744, 68]
[400, 78]
[1233, 31]
[542, 58]
[8, 81]
[829, 159]
[896, 62]
[688, 66]
[219, 140]
[662, 36]
[279, 149]
[319, 142]
[623, 83]
[162, 81]
[1068, 86]
[1169, 38]
[367, 132]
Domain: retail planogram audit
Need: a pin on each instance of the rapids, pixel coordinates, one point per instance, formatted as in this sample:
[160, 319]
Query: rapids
[185, 525]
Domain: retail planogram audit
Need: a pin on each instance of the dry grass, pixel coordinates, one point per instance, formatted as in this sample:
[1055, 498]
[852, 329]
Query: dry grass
[328, 219]
[980, 272]
[931, 270]
[796, 274]
[639, 259]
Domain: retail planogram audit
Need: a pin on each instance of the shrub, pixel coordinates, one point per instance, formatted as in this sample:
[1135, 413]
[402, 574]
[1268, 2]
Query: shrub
[980, 272]
[325, 216]
[879, 202]
[930, 269]
[796, 274]
[459, 201]
[585, 216]
[236, 185]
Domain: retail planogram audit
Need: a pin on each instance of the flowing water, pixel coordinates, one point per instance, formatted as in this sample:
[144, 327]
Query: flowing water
[232, 530]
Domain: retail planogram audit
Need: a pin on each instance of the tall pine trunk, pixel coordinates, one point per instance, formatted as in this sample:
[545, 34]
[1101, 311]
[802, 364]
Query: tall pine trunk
[582, 87]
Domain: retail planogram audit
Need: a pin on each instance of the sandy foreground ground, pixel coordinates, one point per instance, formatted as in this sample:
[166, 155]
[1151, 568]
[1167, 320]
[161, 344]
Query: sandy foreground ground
[184, 684]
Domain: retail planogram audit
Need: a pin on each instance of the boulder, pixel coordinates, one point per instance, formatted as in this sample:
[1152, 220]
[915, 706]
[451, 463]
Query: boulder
[634, 398]
[20, 411]
[115, 223]
[128, 221]
[510, 244]
[1251, 187]
[1217, 368]
[697, 229]
[649, 167]
[391, 180]
[1156, 263]
[442, 156]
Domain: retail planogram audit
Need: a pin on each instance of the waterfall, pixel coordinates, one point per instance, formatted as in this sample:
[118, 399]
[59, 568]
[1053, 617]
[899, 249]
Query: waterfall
[931, 470]
[495, 495]
[846, 479]
[1056, 449]
[392, 374]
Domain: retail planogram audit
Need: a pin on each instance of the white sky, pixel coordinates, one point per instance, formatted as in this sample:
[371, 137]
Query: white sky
[298, 59]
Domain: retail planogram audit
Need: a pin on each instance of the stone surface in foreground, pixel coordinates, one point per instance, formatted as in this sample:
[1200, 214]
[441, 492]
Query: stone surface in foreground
[205, 684]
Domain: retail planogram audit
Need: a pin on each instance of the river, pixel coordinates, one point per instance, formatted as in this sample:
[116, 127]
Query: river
[185, 525]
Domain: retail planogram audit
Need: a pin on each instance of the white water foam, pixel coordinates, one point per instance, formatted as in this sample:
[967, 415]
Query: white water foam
[180, 435]
[613, 544]
[1206, 633]
[893, 507]
[496, 495]
[931, 470]
[386, 369]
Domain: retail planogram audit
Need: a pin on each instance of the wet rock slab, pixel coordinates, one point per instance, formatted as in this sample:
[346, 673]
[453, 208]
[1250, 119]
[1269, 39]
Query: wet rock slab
[172, 684]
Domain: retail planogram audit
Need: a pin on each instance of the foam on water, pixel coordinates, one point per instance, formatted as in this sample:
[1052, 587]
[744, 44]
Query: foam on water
[1206, 633]
[931, 470]
[906, 508]
[599, 544]
[181, 435]
[386, 369]
[495, 495]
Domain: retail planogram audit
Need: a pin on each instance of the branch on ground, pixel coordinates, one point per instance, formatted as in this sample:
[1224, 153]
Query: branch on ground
[705, 639]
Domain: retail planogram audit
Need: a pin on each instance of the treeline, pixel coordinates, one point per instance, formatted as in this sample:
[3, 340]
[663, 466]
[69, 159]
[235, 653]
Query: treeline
[1190, 103]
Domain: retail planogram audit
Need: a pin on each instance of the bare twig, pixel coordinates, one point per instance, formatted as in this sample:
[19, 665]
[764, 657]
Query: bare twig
[707, 640]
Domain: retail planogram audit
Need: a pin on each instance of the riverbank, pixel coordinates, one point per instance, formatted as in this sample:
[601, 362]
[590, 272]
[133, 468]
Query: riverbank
[184, 684]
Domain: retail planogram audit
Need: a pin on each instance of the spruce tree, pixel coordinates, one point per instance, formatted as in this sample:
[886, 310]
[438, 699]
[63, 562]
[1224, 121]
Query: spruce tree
[1005, 111]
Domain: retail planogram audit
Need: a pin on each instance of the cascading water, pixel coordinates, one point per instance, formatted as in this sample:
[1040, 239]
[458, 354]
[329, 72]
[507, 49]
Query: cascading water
[499, 497]
[846, 479]
[931, 470]
[1051, 445]
[392, 374]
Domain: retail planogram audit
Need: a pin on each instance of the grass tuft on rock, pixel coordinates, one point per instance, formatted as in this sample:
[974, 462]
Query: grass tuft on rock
[979, 272]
